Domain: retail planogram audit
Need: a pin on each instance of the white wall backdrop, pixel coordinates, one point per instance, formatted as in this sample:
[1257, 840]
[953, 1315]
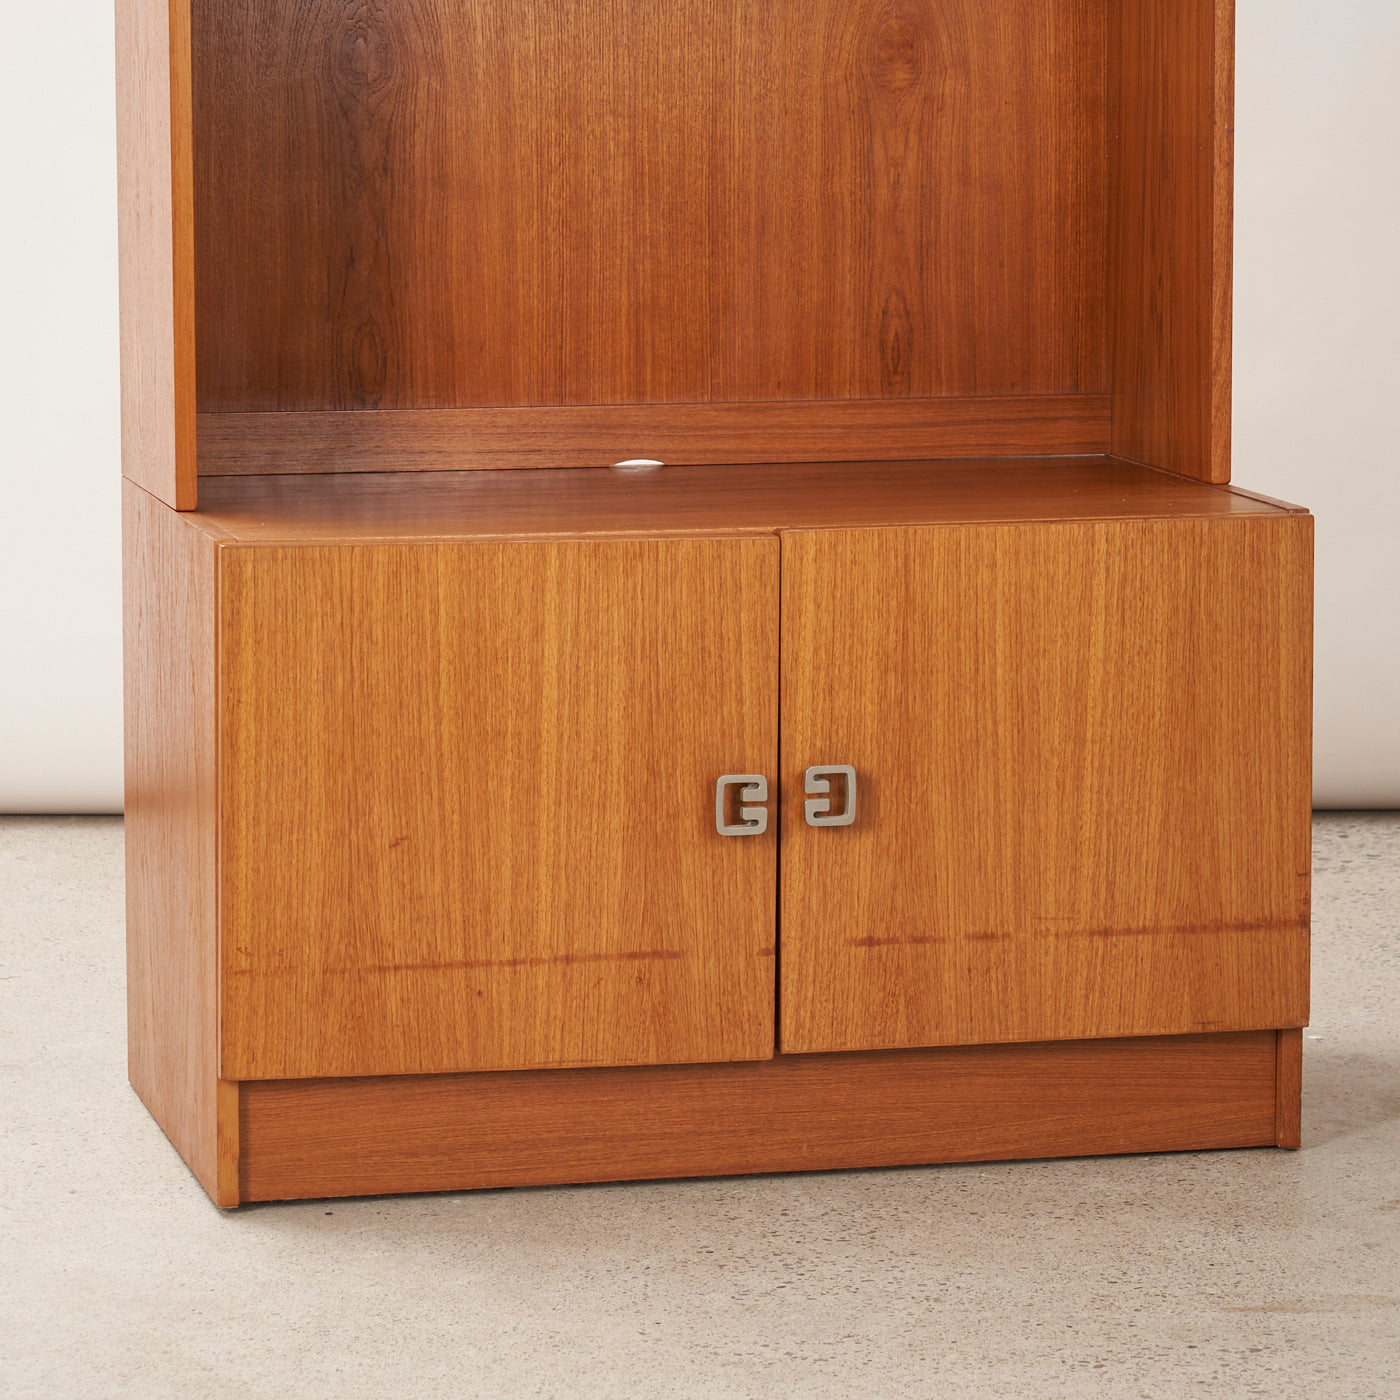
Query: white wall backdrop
[1317, 377]
[60, 585]
[1317, 346]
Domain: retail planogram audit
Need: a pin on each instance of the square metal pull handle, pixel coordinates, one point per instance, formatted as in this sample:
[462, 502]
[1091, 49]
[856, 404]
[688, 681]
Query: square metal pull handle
[817, 810]
[753, 821]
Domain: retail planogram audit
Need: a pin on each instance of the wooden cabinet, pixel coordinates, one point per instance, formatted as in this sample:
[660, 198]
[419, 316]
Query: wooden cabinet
[465, 820]
[429, 687]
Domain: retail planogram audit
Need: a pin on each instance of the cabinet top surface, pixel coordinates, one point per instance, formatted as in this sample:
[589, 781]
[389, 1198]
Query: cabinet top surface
[706, 500]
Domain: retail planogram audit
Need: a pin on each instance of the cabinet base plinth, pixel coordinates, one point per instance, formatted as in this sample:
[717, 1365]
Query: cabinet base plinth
[351, 1137]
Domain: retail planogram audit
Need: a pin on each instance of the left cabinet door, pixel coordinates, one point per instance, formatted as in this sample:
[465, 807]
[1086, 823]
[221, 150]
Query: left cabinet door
[467, 815]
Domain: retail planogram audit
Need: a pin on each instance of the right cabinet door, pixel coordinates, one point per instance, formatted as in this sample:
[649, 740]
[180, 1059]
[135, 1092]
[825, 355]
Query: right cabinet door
[1082, 761]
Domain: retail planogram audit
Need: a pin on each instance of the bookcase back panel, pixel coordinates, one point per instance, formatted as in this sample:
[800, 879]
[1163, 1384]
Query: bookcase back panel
[428, 204]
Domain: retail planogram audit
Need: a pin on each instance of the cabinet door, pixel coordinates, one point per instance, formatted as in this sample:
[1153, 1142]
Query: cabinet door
[1082, 771]
[468, 805]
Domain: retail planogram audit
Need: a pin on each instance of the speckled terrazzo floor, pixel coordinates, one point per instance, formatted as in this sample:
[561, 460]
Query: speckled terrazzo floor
[1210, 1274]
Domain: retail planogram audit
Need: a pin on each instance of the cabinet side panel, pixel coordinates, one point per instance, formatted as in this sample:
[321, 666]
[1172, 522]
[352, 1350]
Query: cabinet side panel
[1288, 1092]
[1082, 753]
[1171, 173]
[155, 235]
[469, 805]
[171, 839]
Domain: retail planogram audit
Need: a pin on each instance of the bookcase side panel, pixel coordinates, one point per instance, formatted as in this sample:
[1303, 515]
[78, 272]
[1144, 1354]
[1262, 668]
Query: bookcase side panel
[155, 234]
[1171, 153]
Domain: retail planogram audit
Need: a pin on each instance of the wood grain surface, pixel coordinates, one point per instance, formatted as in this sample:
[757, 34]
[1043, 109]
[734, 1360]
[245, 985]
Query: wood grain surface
[1083, 760]
[350, 1137]
[703, 500]
[1288, 1130]
[1171, 175]
[436, 205]
[169, 581]
[468, 805]
[155, 236]
[461, 439]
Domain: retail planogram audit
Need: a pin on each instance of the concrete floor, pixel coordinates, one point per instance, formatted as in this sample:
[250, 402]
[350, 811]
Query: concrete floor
[1214, 1274]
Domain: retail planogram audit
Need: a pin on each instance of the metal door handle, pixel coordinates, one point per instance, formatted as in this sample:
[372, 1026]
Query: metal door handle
[753, 821]
[818, 779]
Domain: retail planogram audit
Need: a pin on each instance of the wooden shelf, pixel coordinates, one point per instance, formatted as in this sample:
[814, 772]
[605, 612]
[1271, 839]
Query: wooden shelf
[830, 232]
[593, 502]
[690, 434]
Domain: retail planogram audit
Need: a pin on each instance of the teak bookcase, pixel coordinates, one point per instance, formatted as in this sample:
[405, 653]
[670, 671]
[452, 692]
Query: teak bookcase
[913, 769]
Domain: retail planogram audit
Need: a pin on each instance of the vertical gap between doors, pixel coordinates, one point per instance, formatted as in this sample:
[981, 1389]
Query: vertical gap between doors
[780, 813]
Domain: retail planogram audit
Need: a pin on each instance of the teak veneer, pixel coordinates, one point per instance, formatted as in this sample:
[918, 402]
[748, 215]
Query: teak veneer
[728, 500]
[349, 1137]
[926, 308]
[846, 229]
